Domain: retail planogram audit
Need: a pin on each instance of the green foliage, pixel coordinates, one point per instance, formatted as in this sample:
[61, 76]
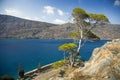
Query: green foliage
[93, 16]
[103, 18]
[58, 64]
[74, 35]
[98, 17]
[79, 12]
[68, 46]
[78, 58]
[6, 77]
[87, 33]
[91, 35]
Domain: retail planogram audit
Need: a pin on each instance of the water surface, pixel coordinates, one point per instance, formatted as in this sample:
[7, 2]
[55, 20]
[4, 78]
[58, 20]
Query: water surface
[31, 52]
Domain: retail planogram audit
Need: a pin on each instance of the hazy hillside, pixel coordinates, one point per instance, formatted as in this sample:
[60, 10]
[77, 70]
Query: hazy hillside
[13, 27]
[110, 31]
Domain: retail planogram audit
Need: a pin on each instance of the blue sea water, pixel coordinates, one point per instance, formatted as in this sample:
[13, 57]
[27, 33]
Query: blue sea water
[31, 52]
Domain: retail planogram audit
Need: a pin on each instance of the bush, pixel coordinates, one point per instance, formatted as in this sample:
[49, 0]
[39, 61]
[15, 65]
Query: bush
[91, 35]
[58, 64]
[6, 77]
[62, 72]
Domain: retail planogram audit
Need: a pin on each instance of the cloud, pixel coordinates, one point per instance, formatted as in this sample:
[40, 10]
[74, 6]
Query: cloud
[32, 18]
[59, 21]
[17, 13]
[60, 12]
[11, 11]
[48, 10]
[117, 3]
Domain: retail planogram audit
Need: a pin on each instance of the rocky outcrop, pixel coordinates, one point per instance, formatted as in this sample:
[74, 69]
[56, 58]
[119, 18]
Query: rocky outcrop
[104, 63]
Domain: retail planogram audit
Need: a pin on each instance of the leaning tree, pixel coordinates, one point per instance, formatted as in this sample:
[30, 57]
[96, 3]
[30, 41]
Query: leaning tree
[85, 22]
[84, 19]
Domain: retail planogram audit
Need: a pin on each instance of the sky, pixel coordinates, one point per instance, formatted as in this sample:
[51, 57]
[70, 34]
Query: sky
[59, 11]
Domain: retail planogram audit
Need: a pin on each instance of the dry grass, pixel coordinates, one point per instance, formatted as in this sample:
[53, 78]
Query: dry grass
[78, 76]
[69, 70]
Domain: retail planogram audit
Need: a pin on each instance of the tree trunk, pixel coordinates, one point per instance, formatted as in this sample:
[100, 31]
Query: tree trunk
[71, 59]
[64, 55]
[79, 45]
[81, 36]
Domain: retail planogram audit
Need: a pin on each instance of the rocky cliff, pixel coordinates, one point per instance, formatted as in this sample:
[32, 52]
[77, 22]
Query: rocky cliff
[103, 65]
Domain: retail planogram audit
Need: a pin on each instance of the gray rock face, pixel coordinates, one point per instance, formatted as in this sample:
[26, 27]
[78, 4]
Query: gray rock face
[104, 63]
[13, 27]
[109, 31]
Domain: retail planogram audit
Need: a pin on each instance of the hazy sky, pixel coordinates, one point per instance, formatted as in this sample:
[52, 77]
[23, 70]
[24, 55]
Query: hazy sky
[59, 11]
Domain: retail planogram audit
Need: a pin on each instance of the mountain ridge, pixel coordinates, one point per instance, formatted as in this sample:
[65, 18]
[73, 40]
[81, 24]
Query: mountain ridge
[14, 27]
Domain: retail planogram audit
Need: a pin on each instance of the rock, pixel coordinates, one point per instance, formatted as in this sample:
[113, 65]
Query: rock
[59, 78]
[104, 63]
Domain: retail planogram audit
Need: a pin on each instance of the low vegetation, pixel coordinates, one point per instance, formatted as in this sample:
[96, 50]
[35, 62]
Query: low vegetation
[58, 64]
[6, 77]
[91, 35]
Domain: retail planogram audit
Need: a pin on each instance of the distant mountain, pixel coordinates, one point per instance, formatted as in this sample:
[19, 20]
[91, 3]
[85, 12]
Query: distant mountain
[109, 31]
[13, 27]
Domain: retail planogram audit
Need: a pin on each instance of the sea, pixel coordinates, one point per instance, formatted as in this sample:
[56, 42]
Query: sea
[29, 53]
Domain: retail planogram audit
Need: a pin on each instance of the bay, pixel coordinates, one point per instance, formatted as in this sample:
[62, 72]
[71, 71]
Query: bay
[30, 52]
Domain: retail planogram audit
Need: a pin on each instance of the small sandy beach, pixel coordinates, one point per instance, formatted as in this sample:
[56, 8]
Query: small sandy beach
[46, 75]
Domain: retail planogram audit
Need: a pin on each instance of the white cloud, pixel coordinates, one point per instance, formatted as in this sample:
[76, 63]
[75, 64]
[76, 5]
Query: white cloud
[17, 13]
[59, 21]
[48, 10]
[11, 11]
[117, 3]
[60, 12]
[32, 18]
[27, 18]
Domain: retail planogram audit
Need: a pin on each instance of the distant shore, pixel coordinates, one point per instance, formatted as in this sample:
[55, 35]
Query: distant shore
[49, 39]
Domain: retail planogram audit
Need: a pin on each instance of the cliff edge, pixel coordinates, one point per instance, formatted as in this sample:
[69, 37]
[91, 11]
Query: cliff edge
[104, 63]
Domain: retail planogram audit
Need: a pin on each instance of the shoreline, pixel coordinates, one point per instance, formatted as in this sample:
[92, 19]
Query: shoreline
[50, 38]
[43, 68]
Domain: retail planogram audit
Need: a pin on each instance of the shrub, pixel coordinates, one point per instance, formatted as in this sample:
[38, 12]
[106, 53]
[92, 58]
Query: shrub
[62, 72]
[6, 77]
[58, 64]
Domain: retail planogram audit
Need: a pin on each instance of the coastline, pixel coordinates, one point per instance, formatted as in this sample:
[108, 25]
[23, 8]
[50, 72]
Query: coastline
[51, 38]
[31, 71]
[43, 68]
